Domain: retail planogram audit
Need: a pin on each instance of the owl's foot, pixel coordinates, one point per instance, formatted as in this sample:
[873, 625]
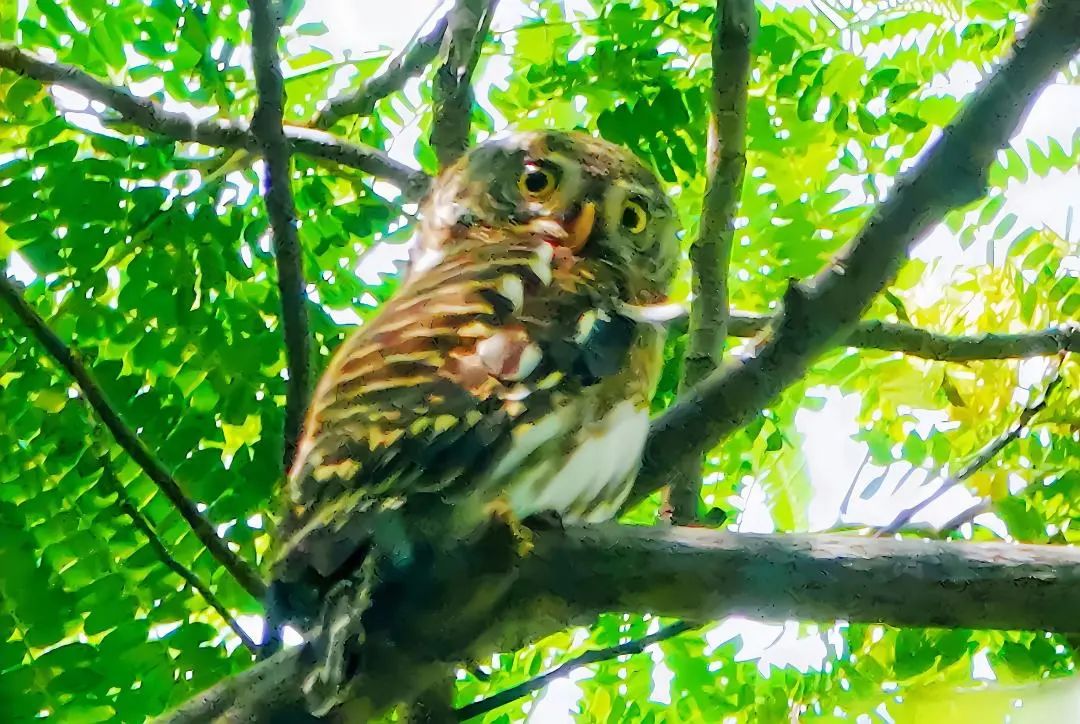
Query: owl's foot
[523, 536]
[341, 634]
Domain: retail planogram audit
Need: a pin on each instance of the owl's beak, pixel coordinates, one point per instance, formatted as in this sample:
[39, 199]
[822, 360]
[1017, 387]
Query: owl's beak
[579, 227]
[570, 231]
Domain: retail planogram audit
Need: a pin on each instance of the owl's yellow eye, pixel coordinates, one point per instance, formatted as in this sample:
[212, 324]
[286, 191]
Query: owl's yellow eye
[537, 182]
[634, 217]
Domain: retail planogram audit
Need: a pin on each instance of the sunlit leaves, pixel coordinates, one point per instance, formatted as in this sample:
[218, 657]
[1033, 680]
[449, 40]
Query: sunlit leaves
[153, 259]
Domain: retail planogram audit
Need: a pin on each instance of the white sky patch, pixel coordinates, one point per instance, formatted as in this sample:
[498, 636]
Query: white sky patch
[754, 506]
[980, 666]
[662, 676]
[19, 269]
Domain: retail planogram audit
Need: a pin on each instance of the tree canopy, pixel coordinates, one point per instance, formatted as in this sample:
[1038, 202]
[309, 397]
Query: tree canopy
[199, 201]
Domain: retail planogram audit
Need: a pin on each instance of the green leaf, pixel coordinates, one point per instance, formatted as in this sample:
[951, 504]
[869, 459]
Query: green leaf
[315, 28]
[908, 122]
[56, 16]
[867, 122]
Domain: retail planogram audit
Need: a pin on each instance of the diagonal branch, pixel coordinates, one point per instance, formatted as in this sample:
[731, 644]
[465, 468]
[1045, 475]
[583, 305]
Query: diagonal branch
[128, 508]
[399, 70]
[710, 252]
[127, 439]
[151, 116]
[916, 342]
[817, 313]
[523, 689]
[280, 207]
[452, 92]
[977, 463]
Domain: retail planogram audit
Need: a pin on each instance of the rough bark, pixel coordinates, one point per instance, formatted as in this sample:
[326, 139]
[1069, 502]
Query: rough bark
[691, 573]
[267, 125]
[710, 252]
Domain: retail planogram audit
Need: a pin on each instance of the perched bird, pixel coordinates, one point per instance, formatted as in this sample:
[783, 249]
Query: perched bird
[510, 375]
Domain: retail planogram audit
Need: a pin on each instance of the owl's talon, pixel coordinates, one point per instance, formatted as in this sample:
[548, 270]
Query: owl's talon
[523, 537]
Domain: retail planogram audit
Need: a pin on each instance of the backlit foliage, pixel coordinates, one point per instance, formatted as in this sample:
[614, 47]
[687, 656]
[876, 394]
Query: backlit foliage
[152, 258]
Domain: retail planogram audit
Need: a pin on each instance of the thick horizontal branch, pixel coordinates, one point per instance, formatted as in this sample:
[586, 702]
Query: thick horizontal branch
[152, 117]
[916, 342]
[267, 127]
[820, 312]
[399, 70]
[690, 573]
[698, 574]
[128, 440]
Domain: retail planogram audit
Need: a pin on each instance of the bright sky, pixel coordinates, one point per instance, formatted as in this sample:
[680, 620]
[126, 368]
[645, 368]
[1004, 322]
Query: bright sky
[832, 457]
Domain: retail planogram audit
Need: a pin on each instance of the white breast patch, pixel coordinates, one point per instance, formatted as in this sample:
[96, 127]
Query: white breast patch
[595, 479]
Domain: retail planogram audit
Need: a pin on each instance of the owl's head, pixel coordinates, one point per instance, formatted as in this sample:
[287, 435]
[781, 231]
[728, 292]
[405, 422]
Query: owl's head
[587, 197]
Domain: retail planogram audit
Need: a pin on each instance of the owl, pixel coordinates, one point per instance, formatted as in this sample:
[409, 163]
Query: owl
[510, 375]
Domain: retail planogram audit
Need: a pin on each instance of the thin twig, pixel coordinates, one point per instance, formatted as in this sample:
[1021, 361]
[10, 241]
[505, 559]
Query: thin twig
[280, 207]
[151, 116]
[854, 481]
[819, 312]
[126, 438]
[917, 342]
[981, 460]
[127, 507]
[965, 516]
[397, 73]
[452, 92]
[710, 252]
[523, 689]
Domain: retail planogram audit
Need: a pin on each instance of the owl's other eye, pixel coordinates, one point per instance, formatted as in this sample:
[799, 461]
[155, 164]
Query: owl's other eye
[537, 182]
[634, 217]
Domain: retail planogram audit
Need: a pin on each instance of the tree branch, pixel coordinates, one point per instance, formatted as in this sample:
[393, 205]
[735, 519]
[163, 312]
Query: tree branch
[452, 92]
[700, 574]
[710, 252]
[523, 689]
[977, 463]
[127, 507]
[413, 183]
[151, 116]
[916, 342]
[126, 438]
[397, 73]
[267, 125]
[690, 573]
[951, 174]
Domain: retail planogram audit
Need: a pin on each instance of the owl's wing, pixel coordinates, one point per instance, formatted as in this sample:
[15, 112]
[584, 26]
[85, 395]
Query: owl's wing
[424, 396]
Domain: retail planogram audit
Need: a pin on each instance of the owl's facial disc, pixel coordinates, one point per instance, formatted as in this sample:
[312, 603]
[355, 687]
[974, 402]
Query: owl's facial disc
[591, 201]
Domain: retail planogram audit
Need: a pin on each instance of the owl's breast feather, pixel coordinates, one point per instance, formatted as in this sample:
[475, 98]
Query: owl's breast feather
[579, 459]
[590, 483]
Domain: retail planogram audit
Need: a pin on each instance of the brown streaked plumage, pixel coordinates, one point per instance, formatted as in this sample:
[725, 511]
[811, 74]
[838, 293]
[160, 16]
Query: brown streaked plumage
[510, 368]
